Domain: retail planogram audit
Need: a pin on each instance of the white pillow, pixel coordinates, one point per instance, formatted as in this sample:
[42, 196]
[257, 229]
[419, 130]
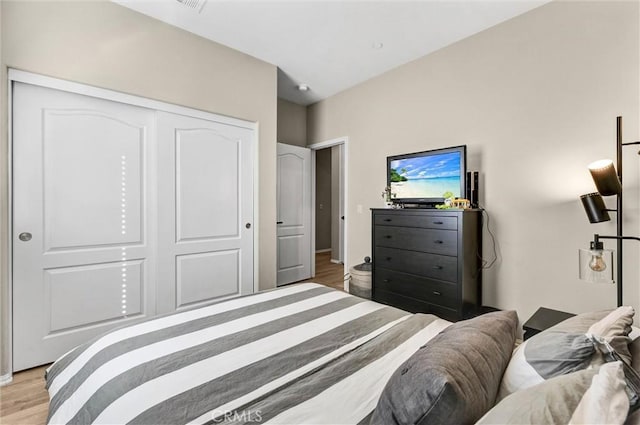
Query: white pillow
[591, 396]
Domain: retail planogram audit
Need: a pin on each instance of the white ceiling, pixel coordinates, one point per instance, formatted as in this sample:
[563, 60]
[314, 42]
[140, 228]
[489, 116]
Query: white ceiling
[329, 45]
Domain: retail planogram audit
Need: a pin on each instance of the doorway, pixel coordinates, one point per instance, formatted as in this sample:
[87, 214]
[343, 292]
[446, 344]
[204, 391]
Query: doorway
[329, 222]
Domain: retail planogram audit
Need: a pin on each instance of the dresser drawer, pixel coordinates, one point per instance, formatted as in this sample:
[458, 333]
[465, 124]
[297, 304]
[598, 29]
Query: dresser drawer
[416, 306]
[441, 267]
[436, 292]
[443, 242]
[428, 222]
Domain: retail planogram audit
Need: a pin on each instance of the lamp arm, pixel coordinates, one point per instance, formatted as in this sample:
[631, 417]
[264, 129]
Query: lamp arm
[597, 237]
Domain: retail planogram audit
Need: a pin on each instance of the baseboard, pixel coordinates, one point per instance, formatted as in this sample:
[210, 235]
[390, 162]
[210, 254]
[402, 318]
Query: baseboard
[6, 379]
[336, 261]
[319, 251]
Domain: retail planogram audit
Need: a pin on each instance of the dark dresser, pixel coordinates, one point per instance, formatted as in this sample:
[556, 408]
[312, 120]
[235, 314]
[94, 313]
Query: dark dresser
[428, 260]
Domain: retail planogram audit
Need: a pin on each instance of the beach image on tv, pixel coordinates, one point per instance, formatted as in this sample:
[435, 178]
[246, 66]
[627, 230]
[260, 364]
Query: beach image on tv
[426, 176]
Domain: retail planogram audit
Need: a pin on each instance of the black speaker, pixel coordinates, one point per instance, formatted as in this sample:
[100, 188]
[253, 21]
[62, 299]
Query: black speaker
[472, 190]
[475, 191]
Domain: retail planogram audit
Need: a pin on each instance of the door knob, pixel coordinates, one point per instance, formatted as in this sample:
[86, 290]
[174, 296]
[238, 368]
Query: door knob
[248, 225]
[24, 237]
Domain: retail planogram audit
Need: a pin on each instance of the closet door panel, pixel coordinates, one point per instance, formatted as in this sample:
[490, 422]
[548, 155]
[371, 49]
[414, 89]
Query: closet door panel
[194, 276]
[207, 185]
[205, 211]
[83, 236]
[92, 162]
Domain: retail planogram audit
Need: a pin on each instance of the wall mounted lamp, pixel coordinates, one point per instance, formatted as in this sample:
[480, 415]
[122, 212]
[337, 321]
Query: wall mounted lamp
[593, 262]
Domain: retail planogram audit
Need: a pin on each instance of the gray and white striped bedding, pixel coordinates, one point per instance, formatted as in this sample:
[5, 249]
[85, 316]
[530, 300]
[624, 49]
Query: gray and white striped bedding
[303, 354]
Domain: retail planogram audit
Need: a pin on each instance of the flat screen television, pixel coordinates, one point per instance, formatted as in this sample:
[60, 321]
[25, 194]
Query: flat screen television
[422, 178]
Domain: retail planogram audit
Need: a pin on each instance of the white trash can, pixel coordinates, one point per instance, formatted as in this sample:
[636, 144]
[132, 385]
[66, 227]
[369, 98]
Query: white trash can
[360, 279]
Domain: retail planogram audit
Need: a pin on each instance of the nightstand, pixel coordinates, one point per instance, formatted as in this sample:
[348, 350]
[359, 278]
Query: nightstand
[543, 319]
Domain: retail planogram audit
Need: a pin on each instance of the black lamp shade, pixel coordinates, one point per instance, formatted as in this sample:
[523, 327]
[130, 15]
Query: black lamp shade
[605, 177]
[595, 208]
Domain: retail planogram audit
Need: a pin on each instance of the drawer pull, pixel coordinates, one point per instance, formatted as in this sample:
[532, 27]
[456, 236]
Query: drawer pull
[438, 241]
[437, 267]
[387, 219]
[436, 293]
[388, 258]
[387, 236]
[438, 222]
[386, 280]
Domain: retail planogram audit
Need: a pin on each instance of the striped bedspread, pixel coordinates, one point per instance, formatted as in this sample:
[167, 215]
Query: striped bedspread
[303, 354]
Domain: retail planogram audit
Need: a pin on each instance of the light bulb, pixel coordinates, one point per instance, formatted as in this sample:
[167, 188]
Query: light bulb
[597, 264]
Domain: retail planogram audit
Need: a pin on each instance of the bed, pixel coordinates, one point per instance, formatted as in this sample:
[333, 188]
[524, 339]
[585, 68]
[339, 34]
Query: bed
[302, 354]
[220, 358]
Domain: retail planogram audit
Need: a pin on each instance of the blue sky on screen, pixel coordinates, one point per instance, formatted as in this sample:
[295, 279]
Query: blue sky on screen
[424, 167]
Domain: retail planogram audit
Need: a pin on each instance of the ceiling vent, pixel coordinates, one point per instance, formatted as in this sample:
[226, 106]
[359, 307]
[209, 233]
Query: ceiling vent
[193, 4]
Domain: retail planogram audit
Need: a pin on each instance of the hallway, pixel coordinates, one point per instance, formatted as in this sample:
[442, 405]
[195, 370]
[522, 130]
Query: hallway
[328, 273]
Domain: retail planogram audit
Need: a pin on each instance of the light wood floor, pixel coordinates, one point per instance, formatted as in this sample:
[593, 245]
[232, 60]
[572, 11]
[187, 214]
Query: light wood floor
[328, 273]
[25, 400]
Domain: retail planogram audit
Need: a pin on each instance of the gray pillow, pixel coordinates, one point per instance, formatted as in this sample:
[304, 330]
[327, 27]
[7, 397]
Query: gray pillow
[589, 396]
[566, 347]
[557, 353]
[454, 378]
[581, 323]
[614, 325]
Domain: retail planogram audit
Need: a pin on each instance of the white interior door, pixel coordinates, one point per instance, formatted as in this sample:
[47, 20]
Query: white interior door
[294, 213]
[205, 211]
[83, 259]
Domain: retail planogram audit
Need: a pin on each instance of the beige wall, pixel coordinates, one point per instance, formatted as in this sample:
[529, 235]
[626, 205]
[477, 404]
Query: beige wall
[292, 123]
[106, 45]
[324, 198]
[535, 101]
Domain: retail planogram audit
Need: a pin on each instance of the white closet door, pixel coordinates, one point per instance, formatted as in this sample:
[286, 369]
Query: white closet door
[82, 233]
[205, 211]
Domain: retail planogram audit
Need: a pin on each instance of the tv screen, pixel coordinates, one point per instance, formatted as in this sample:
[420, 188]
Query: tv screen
[424, 177]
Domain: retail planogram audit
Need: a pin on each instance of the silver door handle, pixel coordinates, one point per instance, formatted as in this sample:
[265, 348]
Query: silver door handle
[24, 237]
